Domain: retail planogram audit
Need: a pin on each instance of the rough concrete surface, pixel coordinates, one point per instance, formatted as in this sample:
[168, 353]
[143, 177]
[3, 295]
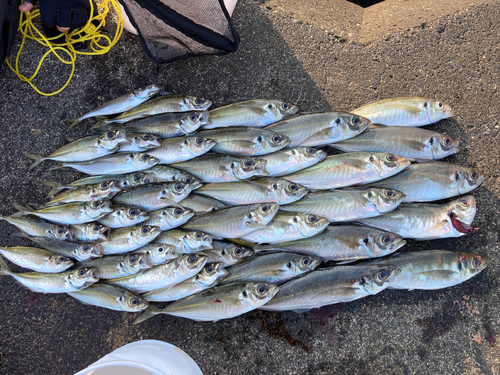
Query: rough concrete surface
[286, 54]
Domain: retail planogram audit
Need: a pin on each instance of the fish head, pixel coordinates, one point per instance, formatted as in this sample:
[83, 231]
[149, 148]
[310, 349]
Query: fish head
[97, 209]
[192, 261]
[258, 294]
[60, 262]
[131, 302]
[187, 178]
[384, 200]
[135, 262]
[160, 253]
[307, 156]
[194, 103]
[132, 214]
[286, 191]
[300, 264]
[147, 141]
[143, 161]
[437, 110]
[111, 139]
[106, 189]
[468, 179]
[144, 233]
[86, 251]
[147, 92]
[137, 179]
[387, 164]
[379, 243]
[278, 109]
[262, 213]
[198, 145]
[82, 277]
[442, 146]
[236, 252]
[198, 240]
[351, 124]
[470, 265]
[96, 232]
[378, 278]
[192, 121]
[211, 274]
[309, 225]
[175, 216]
[248, 167]
[270, 141]
[463, 209]
[59, 232]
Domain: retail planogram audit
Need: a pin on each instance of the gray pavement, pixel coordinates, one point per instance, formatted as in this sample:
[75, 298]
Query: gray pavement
[289, 55]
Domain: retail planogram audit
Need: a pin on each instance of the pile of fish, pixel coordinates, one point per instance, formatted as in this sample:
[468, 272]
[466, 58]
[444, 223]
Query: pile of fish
[225, 211]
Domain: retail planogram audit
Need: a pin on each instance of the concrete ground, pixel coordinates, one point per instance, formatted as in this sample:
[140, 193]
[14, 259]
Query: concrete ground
[326, 55]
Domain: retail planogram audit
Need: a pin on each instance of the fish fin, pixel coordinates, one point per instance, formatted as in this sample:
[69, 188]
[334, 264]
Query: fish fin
[20, 234]
[171, 202]
[256, 225]
[434, 227]
[163, 93]
[414, 145]
[57, 166]
[70, 139]
[22, 211]
[37, 158]
[4, 268]
[72, 123]
[347, 261]
[300, 311]
[33, 206]
[54, 186]
[148, 313]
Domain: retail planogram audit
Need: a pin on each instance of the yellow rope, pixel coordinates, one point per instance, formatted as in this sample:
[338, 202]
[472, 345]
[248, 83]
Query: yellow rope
[89, 32]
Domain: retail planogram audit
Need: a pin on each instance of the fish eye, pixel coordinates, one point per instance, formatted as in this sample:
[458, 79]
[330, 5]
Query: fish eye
[390, 157]
[146, 136]
[270, 106]
[198, 101]
[382, 275]
[264, 208]
[312, 218]
[473, 175]
[238, 251]
[356, 120]
[365, 240]
[81, 272]
[447, 141]
[145, 229]
[261, 289]
[440, 105]
[96, 204]
[104, 185]
[134, 212]
[178, 211]
[193, 116]
[425, 105]
[96, 228]
[199, 141]
[476, 262]
[370, 195]
[198, 235]
[372, 159]
[110, 135]
[145, 157]
[293, 187]
[276, 138]
[134, 301]
[248, 163]
[133, 259]
[161, 249]
[311, 150]
[60, 231]
[289, 265]
[63, 259]
[138, 177]
[285, 106]
[386, 239]
[465, 203]
[192, 258]
[189, 180]
[86, 248]
[337, 121]
[179, 187]
[295, 220]
[275, 186]
[306, 261]
[259, 138]
[244, 293]
[389, 193]
[431, 140]
[210, 269]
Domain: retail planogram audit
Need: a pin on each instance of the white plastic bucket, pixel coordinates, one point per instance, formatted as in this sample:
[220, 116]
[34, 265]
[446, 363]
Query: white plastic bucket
[146, 357]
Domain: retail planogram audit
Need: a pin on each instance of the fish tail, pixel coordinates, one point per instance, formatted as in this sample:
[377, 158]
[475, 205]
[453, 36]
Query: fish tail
[4, 268]
[72, 123]
[148, 313]
[37, 158]
[57, 166]
[54, 186]
[22, 211]
[100, 124]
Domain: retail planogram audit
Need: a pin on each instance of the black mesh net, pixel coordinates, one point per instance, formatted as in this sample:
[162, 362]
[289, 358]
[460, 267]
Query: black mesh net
[176, 29]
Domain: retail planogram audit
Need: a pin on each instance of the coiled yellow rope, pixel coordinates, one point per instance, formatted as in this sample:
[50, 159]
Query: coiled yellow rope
[88, 32]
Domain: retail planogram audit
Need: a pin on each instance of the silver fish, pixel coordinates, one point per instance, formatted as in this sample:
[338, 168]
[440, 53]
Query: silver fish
[157, 253]
[90, 232]
[223, 168]
[123, 240]
[261, 190]
[110, 297]
[320, 129]
[118, 105]
[185, 241]
[348, 205]
[170, 217]
[412, 143]
[227, 253]
[332, 285]
[61, 282]
[292, 160]
[179, 149]
[220, 302]
[426, 182]
[406, 111]
[162, 276]
[427, 221]
[124, 216]
[253, 113]
[234, 222]
[36, 259]
[201, 204]
[353, 169]
[36, 227]
[140, 143]
[87, 193]
[342, 243]
[115, 266]
[433, 269]
[288, 226]
[76, 250]
[208, 277]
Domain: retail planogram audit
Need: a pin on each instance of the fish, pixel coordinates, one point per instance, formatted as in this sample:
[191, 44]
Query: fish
[157, 253]
[36, 259]
[118, 105]
[185, 241]
[110, 297]
[115, 266]
[162, 276]
[287, 161]
[218, 168]
[348, 205]
[405, 111]
[36, 227]
[120, 163]
[240, 140]
[288, 226]
[179, 149]
[275, 268]
[320, 129]
[139, 143]
[70, 213]
[90, 232]
[169, 125]
[235, 221]
[201, 204]
[428, 221]
[75, 250]
[342, 243]
[124, 216]
[207, 278]
[260, 190]
[61, 282]
[332, 285]
[352, 169]
[87, 193]
[84, 149]
[221, 302]
[156, 196]
[253, 113]
[169, 218]
[432, 181]
[226, 253]
[123, 240]
[433, 269]
[411, 143]
[157, 106]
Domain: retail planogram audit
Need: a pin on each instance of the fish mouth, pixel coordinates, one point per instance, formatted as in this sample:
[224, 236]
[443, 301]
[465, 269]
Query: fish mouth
[105, 234]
